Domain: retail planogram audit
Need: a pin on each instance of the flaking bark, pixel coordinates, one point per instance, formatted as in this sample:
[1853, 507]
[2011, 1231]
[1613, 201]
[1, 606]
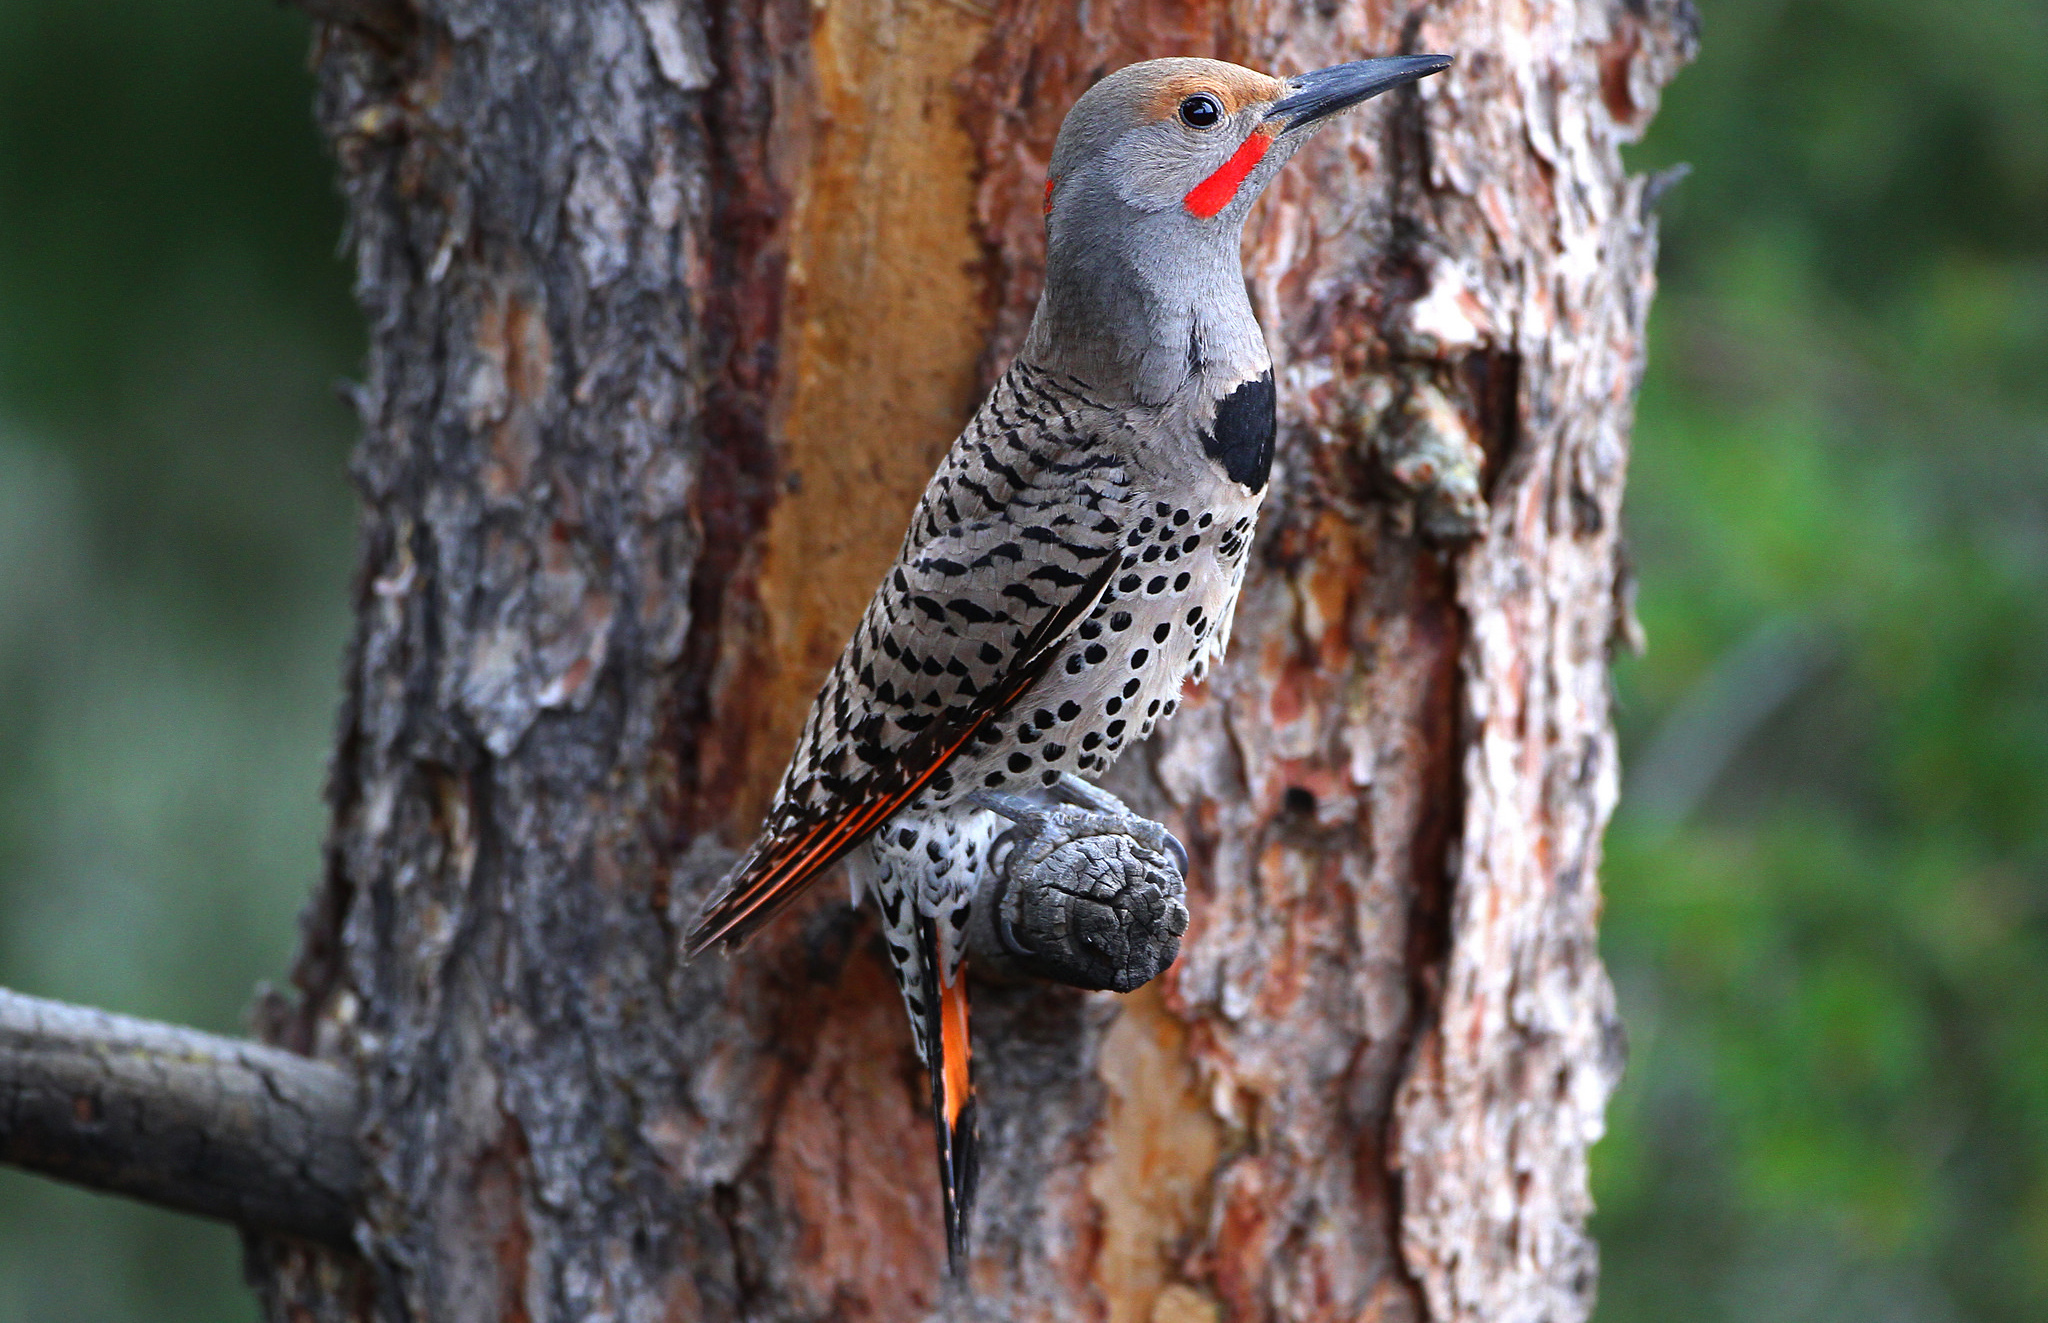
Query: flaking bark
[671, 310]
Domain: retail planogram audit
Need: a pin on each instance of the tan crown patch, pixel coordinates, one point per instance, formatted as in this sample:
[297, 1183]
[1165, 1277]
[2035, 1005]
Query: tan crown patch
[1233, 85]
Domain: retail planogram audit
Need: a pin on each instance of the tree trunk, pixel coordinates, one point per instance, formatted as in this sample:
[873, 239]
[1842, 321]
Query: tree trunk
[672, 311]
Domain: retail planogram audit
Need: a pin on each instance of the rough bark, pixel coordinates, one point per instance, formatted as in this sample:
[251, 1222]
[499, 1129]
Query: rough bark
[206, 1125]
[671, 311]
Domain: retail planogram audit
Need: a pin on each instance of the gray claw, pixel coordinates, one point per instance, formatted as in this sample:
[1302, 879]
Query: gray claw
[1177, 850]
[1009, 806]
[1071, 789]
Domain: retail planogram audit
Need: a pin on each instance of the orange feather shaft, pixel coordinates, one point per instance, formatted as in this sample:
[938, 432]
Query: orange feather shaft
[954, 1050]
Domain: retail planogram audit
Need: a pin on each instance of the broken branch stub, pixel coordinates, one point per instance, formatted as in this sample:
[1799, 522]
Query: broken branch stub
[1087, 894]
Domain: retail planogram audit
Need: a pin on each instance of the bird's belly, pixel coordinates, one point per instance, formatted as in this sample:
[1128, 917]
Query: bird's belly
[1121, 672]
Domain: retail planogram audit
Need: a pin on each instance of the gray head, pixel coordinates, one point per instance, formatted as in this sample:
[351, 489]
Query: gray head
[1155, 169]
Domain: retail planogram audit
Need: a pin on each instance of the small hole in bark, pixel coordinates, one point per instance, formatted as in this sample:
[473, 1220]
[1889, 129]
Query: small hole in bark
[1299, 799]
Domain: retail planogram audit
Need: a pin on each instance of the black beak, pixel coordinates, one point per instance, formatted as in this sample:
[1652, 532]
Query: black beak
[1318, 95]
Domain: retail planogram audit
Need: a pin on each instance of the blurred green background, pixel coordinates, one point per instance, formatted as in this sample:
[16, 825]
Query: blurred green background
[1828, 886]
[175, 525]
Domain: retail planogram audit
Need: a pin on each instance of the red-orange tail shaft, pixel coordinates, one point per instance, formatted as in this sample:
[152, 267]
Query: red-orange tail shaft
[952, 1096]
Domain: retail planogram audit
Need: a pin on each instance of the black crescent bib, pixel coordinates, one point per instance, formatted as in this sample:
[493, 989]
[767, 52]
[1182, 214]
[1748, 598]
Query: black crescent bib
[1242, 441]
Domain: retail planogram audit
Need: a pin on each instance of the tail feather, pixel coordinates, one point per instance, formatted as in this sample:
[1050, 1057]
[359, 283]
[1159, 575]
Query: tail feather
[951, 1066]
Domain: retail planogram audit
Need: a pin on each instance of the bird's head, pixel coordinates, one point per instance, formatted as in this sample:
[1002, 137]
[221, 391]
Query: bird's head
[1198, 138]
[1154, 171]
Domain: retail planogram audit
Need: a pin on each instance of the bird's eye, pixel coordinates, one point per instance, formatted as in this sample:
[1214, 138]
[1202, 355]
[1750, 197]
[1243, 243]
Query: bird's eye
[1200, 111]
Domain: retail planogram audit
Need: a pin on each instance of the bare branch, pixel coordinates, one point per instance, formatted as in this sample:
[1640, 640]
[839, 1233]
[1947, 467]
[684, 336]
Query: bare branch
[228, 1129]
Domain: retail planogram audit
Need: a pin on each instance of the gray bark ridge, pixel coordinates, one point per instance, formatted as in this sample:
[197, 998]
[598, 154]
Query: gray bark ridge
[1492, 1163]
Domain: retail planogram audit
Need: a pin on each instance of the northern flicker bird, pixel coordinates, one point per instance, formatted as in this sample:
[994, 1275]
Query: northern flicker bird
[1078, 554]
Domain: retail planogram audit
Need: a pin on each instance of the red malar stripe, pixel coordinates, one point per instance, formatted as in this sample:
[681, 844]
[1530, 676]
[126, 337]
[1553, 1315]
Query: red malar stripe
[1214, 193]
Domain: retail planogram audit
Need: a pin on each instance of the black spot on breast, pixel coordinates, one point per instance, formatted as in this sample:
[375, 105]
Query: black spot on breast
[1242, 441]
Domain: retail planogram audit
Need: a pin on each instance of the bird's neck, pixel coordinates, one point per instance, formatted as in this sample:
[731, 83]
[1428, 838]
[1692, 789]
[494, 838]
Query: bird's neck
[1146, 317]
